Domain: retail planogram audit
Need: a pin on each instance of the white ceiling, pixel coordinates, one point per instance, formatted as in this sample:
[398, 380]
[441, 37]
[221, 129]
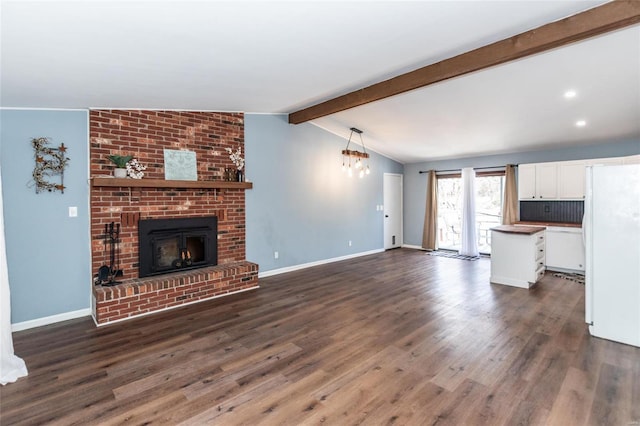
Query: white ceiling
[278, 57]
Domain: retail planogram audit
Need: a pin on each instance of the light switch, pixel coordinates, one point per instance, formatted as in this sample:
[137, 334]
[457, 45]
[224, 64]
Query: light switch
[73, 211]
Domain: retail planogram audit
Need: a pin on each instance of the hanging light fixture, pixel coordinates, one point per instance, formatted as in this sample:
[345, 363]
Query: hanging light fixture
[356, 157]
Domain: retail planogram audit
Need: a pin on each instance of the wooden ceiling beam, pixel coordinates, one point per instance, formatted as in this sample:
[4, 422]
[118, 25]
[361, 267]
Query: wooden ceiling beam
[599, 20]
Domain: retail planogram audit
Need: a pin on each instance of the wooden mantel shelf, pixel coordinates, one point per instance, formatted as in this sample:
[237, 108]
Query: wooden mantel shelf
[161, 183]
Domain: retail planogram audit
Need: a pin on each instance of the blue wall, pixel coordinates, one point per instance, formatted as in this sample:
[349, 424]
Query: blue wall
[48, 252]
[415, 184]
[302, 205]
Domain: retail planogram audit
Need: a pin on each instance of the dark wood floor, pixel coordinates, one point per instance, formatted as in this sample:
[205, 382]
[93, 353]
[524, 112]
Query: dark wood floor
[399, 337]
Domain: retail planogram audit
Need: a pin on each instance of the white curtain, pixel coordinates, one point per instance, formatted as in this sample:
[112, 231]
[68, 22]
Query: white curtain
[11, 366]
[469, 246]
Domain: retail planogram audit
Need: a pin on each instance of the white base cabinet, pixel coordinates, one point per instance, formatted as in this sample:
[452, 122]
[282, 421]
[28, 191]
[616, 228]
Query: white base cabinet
[517, 259]
[565, 249]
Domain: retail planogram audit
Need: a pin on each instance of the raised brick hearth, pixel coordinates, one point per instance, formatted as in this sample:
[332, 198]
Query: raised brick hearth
[145, 135]
[144, 295]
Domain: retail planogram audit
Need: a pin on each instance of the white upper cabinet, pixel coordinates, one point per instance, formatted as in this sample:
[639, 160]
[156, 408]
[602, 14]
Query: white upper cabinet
[563, 180]
[546, 181]
[537, 181]
[527, 181]
[605, 162]
[632, 159]
[571, 178]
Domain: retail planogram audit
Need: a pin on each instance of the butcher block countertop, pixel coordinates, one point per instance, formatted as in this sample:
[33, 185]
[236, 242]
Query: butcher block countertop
[512, 229]
[568, 225]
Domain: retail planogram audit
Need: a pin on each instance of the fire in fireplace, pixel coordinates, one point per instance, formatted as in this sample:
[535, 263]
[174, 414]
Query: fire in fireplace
[169, 245]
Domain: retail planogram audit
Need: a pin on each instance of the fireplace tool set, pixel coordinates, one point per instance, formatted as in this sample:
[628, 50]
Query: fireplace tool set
[107, 274]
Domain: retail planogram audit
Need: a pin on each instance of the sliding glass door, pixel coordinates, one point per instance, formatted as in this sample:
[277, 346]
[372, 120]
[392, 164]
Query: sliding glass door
[489, 190]
[449, 212]
[488, 208]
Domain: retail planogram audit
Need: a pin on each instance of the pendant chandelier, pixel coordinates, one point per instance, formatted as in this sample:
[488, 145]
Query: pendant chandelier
[356, 157]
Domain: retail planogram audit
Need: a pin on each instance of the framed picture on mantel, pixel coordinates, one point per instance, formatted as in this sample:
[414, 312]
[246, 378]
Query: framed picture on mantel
[180, 165]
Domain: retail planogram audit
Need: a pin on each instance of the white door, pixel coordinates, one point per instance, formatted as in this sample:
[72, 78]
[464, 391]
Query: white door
[392, 210]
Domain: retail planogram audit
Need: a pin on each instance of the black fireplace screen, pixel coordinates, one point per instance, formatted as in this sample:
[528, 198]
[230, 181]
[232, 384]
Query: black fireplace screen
[167, 245]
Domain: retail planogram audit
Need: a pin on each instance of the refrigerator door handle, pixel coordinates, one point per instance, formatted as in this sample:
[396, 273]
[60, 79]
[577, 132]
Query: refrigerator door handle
[587, 241]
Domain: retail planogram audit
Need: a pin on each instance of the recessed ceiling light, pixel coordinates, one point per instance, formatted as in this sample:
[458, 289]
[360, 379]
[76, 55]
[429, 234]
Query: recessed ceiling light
[581, 123]
[570, 94]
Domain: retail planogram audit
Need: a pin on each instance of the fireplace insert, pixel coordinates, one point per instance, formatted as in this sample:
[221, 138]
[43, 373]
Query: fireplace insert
[169, 245]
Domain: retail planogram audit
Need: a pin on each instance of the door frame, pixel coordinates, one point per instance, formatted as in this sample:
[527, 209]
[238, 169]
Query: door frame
[401, 210]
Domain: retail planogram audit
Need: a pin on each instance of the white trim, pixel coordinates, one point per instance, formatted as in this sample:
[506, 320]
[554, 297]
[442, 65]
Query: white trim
[514, 282]
[94, 108]
[44, 109]
[39, 322]
[411, 246]
[316, 263]
[173, 307]
[265, 113]
[92, 299]
[564, 270]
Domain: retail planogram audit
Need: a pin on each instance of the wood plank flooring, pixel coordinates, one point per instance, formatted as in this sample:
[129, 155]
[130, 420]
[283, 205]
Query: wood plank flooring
[399, 337]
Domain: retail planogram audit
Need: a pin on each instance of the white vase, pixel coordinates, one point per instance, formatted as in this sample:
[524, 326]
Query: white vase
[120, 173]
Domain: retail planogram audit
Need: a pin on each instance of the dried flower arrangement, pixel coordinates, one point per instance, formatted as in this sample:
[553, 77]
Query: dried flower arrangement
[135, 169]
[236, 157]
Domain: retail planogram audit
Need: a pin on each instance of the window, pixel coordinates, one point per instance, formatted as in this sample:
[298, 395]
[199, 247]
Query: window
[489, 191]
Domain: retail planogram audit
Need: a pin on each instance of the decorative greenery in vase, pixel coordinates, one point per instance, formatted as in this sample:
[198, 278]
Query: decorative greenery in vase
[120, 160]
[121, 163]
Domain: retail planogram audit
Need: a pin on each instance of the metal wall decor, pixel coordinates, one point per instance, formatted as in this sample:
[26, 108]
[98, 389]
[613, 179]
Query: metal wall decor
[50, 162]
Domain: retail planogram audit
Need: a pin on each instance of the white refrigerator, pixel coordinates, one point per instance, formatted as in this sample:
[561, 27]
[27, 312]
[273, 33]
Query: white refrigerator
[612, 246]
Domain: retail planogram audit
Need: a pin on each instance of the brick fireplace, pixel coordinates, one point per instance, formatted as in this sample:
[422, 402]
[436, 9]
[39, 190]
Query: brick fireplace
[145, 135]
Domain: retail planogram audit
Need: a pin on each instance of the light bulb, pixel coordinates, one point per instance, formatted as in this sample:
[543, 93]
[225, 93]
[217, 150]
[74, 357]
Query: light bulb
[358, 163]
[368, 171]
[361, 174]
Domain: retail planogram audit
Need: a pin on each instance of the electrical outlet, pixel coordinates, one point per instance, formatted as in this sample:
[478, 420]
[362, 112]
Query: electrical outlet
[276, 255]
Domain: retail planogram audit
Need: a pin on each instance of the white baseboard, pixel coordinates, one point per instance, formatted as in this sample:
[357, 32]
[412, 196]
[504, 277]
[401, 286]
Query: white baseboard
[564, 270]
[39, 322]
[316, 263]
[409, 246]
[87, 312]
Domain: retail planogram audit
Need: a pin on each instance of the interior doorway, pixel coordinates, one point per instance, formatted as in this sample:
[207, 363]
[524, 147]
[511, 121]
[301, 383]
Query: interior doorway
[392, 195]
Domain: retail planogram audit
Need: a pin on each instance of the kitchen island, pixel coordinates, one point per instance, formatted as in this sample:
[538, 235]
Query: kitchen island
[517, 255]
